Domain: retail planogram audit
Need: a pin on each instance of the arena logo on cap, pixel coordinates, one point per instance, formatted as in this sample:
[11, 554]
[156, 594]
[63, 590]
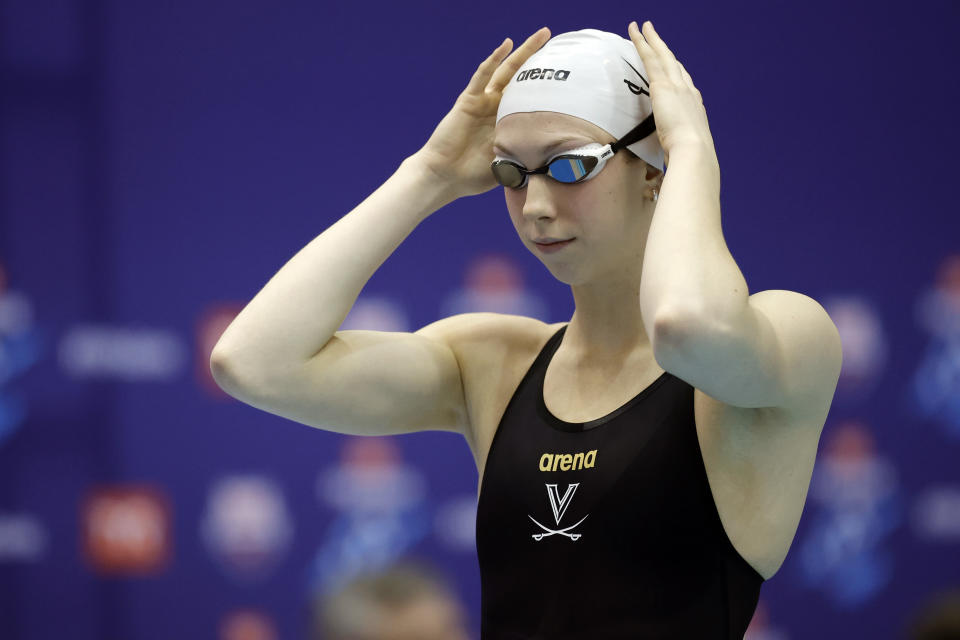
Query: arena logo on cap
[634, 88]
[543, 74]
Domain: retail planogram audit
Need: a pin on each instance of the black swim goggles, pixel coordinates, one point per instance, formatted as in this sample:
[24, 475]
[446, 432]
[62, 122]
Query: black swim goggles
[571, 167]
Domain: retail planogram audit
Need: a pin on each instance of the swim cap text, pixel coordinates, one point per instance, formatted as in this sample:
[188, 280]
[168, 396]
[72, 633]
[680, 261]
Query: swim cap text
[543, 74]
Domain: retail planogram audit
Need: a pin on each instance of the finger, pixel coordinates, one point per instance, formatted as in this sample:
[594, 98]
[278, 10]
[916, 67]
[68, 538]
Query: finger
[650, 58]
[668, 61]
[512, 64]
[642, 45]
[482, 75]
[656, 42]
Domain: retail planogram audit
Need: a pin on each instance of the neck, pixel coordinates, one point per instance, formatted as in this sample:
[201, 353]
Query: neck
[607, 325]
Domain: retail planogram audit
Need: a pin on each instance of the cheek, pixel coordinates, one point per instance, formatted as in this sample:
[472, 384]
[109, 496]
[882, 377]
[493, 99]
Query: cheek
[514, 201]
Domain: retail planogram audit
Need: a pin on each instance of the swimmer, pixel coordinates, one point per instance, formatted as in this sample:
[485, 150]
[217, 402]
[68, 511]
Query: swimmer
[642, 467]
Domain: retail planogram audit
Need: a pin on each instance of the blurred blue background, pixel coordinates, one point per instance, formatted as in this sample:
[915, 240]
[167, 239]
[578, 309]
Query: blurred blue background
[160, 161]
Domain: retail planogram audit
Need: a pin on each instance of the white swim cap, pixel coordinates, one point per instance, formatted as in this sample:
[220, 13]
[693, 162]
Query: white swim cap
[590, 74]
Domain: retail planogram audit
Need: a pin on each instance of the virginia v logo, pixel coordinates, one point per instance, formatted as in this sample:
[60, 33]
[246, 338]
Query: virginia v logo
[559, 506]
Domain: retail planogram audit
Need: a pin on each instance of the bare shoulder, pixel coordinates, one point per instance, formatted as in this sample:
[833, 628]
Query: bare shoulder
[486, 335]
[493, 351]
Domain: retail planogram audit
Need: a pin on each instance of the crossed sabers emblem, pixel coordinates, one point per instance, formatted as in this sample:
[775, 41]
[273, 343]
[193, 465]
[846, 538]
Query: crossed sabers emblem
[559, 508]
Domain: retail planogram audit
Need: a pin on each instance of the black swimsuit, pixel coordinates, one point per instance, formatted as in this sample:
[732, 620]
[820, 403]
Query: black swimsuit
[607, 529]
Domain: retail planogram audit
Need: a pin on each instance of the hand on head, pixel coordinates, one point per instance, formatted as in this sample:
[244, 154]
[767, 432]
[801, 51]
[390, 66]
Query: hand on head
[461, 147]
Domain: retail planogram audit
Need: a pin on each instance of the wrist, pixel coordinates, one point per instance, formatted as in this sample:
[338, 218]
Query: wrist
[700, 151]
[427, 182]
[699, 157]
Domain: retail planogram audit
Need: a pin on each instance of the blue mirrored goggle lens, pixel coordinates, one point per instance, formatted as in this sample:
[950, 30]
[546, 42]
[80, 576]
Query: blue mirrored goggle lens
[571, 169]
[565, 169]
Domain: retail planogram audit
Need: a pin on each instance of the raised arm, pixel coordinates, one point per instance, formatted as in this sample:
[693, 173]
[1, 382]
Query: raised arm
[774, 348]
[297, 312]
[283, 352]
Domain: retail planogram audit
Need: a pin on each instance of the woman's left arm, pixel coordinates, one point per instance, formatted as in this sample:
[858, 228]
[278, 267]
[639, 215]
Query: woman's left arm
[771, 349]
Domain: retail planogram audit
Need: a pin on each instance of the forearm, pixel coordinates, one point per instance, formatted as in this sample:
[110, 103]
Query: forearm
[300, 308]
[689, 277]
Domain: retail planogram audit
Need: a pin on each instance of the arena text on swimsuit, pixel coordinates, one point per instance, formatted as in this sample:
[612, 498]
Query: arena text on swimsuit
[567, 461]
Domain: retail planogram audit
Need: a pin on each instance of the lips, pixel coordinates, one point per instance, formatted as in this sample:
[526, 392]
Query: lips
[551, 247]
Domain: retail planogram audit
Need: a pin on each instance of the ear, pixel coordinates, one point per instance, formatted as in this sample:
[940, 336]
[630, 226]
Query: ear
[652, 179]
[654, 176]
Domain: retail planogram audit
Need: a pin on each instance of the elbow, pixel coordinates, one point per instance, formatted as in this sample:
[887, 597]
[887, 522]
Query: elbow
[671, 332]
[233, 376]
[250, 381]
[222, 371]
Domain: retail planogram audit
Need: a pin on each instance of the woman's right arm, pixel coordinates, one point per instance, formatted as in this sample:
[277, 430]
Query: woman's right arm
[283, 352]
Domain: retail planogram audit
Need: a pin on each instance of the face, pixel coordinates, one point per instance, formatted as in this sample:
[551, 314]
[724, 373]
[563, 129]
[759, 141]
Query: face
[427, 618]
[608, 216]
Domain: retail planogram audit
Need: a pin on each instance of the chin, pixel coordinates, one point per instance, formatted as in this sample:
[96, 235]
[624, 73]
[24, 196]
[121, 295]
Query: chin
[565, 273]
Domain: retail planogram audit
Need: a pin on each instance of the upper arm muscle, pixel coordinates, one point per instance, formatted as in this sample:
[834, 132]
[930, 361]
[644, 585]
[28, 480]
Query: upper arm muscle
[783, 352]
[368, 383]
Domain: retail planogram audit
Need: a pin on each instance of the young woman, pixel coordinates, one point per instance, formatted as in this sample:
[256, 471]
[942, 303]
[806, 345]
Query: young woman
[642, 467]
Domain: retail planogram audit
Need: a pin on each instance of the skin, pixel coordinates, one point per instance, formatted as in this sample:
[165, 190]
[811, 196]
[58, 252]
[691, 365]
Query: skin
[427, 618]
[609, 216]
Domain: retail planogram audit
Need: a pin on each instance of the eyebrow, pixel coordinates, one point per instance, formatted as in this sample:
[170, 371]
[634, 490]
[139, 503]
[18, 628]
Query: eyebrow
[546, 150]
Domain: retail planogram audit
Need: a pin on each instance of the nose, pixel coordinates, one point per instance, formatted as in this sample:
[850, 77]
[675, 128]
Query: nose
[539, 202]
